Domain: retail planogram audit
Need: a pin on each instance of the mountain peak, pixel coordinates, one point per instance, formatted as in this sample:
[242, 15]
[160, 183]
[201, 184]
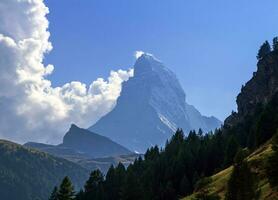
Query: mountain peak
[73, 126]
[152, 105]
[147, 56]
[147, 63]
[91, 143]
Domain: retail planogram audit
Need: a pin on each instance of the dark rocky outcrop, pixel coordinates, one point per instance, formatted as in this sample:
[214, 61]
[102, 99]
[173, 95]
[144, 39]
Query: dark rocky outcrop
[259, 90]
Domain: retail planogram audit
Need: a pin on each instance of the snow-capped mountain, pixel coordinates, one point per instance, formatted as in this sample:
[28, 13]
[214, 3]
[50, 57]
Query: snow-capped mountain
[150, 108]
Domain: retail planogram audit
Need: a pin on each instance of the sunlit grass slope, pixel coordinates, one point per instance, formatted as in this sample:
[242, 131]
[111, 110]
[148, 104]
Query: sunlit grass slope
[257, 162]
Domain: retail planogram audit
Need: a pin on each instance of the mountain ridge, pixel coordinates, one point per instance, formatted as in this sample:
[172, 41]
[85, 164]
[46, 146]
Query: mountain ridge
[83, 143]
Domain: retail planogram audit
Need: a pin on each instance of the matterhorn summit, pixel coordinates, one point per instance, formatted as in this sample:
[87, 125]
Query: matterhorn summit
[151, 107]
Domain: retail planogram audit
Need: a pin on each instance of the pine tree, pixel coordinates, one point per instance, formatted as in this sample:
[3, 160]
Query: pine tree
[110, 184]
[94, 185]
[131, 187]
[267, 123]
[54, 194]
[169, 193]
[242, 183]
[264, 50]
[96, 178]
[152, 153]
[231, 150]
[66, 190]
[200, 132]
[195, 178]
[185, 187]
[80, 195]
[120, 175]
[275, 44]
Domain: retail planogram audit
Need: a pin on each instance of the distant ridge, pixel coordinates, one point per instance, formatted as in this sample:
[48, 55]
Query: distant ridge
[79, 142]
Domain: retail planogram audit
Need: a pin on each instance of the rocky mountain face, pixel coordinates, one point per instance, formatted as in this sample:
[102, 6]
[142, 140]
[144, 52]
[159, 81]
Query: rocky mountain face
[259, 90]
[152, 105]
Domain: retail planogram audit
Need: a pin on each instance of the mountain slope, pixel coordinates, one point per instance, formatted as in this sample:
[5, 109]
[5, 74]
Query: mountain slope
[79, 142]
[91, 144]
[150, 108]
[256, 161]
[87, 149]
[27, 174]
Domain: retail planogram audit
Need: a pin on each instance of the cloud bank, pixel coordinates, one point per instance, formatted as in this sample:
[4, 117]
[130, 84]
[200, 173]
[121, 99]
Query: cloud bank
[30, 108]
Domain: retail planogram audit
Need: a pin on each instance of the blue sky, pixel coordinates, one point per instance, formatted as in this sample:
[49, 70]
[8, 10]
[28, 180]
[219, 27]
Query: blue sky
[210, 44]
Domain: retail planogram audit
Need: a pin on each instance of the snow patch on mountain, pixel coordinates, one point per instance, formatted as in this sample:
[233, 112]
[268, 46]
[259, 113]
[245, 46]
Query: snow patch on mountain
[171, 125]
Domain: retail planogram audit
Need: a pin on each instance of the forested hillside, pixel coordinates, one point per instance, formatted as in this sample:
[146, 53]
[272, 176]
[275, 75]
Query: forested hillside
[27, 174]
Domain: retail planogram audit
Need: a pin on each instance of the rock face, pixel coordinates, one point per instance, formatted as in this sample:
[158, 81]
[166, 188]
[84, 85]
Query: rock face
[150, 108]
[258, 90]
[262, 86]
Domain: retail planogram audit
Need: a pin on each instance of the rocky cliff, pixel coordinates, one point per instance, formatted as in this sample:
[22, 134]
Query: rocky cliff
[259, 90]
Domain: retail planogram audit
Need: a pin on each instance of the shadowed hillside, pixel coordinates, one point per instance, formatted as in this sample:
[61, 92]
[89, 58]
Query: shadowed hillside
[27, 174]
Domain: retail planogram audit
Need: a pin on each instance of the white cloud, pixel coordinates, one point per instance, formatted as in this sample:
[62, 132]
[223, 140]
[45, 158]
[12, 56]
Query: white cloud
[138, 54]
[30, 108]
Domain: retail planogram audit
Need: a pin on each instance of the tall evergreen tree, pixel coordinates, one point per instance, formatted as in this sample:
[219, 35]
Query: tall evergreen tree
[94, 185]
[275, 44]
[96, 178]
[264, 50]
[132, 187]
[152, 153]
[169, 192]
[231, 150]
[200, 132]
[80, 195]
[111, 184]
[54, 194]
[185, 187]
[242, 184]
[66, 190]
[267, 122]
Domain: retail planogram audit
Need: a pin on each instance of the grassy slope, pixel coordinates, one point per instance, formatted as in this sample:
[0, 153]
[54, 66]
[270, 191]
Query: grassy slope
[256, 161]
